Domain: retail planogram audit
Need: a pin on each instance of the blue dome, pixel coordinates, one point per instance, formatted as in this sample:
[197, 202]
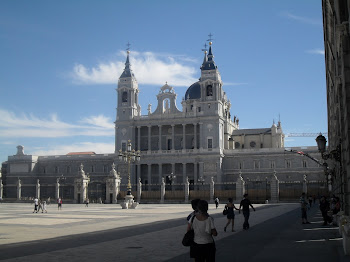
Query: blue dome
[193, 92]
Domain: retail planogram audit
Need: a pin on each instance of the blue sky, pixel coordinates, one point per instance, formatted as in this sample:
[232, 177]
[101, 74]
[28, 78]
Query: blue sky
[61, 60]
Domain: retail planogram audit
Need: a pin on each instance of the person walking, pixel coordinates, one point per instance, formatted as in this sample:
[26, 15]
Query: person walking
[44, 207]
[194, 204]
[217, 201]
[230, 214]
[36, 203]
[59, 204]
[245, 203]
[325, 207]
[204, 230]
[87, 202]
[303, 206]
[40, 205]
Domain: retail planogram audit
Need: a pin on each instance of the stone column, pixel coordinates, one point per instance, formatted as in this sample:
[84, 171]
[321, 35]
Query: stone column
[57, 189]
[1, 189]
[149, 176]
[187, 189]
[162, 191]
[84, 193]
[240, 187]
[275, 188]
[139, 138]
[184, 137]
[184, 175]
[19, 189]
[160, 138]
[212, 190]
[200, 136]
[195, 135]
[219, 170]
[112, 186]
[160, 174]
[37, 189]
[172, 137]
[149, 139]
[195, 172]
[201, 169]
[138, 172]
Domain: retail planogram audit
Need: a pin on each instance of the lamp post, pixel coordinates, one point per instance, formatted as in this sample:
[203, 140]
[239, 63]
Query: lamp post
[128, 156]
[171, 178]
[62, 180]
[334, 154]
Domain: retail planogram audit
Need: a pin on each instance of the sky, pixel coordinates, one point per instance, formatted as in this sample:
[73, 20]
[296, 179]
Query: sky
[60, 62]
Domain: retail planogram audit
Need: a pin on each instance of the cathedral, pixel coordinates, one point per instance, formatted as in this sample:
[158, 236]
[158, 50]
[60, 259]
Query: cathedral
[199, 143]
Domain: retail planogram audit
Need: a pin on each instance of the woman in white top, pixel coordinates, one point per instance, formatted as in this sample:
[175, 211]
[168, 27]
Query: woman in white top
[204, 228]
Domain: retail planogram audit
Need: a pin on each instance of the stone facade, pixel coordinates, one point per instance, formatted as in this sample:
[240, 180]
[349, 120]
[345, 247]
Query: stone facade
[202, 145]
[336, 17]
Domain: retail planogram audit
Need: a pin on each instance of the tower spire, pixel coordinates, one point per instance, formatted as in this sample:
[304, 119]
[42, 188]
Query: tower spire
[127, 70]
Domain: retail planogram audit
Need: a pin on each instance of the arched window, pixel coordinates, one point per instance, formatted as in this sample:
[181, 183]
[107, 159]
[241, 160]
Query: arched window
[125, 97]
[209, 90]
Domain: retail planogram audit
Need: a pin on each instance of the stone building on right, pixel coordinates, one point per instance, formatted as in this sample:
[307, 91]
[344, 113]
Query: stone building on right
[337, 58]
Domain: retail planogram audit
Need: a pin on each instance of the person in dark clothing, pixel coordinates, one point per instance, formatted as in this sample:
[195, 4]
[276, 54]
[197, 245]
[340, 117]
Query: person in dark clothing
[324, 207]
[230, 214]
[245, 203]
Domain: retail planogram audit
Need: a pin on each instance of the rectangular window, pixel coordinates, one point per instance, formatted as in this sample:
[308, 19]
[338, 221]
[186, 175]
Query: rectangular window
[210, 143]
[240, 165]
[68, 169]
[57, 169]
[256, 164]
[123, 146]
[272, 164]
[92, 169]
[199, 109]
[304, 163]
[288, 164]
[105, 169]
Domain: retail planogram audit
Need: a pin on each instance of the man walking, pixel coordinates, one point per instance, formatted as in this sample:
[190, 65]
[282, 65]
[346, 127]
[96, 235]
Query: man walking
[303, 206]
[217, 201]
[245, 203]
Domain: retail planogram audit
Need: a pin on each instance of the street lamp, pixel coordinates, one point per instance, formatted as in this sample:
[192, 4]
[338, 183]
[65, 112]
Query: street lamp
[321, 144]
[171, 178]
[128, 156]
[62, 180]
[334, 154]
[201, 180]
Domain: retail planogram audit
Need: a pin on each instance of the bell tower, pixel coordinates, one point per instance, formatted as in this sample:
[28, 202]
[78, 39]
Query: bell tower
[128, 92]
[127, 106]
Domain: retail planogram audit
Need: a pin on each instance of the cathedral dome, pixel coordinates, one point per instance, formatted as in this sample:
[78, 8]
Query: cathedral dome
[193, 92]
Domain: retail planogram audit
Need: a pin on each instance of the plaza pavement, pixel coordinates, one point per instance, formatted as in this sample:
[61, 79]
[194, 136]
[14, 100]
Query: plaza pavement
[152, 232]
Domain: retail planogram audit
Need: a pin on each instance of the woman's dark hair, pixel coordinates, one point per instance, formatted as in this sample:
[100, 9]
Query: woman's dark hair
[194, 203]
[230, 200]
[202, 206]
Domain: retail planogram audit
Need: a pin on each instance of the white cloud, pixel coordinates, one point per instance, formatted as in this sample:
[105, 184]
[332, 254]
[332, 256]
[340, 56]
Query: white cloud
[24, 125]
[316, 51]
[148, 67]
[301, 19]
[98, 148]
